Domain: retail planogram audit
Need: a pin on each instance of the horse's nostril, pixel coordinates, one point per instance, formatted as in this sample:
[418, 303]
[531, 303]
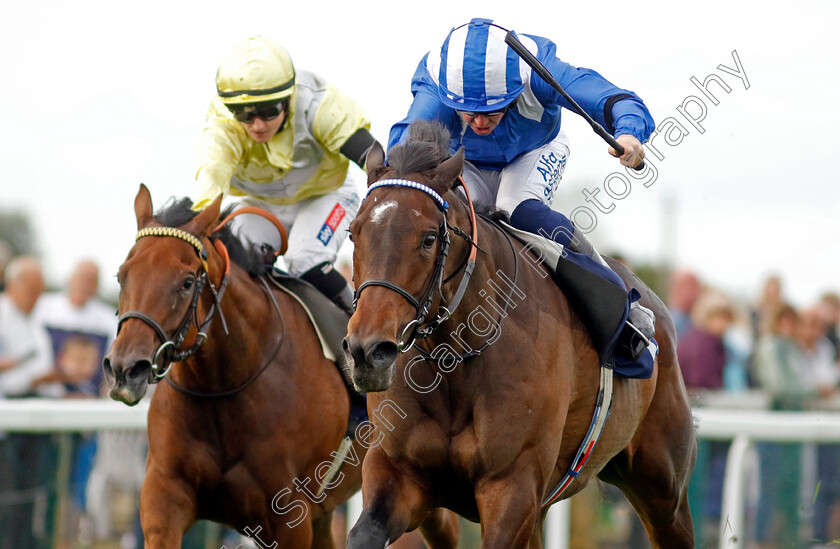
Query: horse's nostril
[383, 354]
[106, 366]
[139, 370]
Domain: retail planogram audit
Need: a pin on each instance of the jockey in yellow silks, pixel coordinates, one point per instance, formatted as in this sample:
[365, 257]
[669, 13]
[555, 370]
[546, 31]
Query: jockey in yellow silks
[282, 140]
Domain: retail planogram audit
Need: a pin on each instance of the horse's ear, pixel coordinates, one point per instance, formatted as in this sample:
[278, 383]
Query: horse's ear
[206, 220]
[143, 207]
[448, 171]
[375, 162]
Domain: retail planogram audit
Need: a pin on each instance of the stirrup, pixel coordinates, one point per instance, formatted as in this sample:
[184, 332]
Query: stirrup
[633, 342]
[635, 338]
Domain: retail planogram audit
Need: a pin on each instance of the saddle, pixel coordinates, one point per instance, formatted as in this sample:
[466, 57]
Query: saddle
[330, 323]
[329, 320]
[599, 297]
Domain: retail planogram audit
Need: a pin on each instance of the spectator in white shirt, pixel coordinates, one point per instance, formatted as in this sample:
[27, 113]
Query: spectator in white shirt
[27, 353]
[77, 320]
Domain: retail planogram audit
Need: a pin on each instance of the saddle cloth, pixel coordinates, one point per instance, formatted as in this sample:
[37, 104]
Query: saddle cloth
[329, 320]
[598, 296]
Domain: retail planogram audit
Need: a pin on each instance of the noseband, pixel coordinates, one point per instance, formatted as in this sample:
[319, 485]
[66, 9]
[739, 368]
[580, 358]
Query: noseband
[169, 351]
[416, 329]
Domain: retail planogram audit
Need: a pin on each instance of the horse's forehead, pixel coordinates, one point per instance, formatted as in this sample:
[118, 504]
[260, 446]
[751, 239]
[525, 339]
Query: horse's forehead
[157, 254]
[381, 211]
[397, 205]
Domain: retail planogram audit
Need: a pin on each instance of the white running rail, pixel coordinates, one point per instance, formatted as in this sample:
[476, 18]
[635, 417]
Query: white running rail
[743, 427]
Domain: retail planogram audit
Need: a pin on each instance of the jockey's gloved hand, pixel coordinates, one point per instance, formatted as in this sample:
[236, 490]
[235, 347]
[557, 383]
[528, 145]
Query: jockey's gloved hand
[634, 153]
[332, 284]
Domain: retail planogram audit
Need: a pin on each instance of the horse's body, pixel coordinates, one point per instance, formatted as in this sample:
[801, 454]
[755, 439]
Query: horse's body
[239, 459]
[490, 436]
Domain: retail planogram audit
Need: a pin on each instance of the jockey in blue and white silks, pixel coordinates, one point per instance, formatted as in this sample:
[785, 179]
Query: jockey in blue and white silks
[508, 120]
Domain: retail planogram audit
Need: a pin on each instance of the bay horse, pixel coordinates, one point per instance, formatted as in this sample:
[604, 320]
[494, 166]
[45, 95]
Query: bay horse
[491, 409]
[244, 429]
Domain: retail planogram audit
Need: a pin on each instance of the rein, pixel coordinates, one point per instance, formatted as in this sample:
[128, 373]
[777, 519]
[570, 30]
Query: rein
[169, 350]
[258, 373]
[503, 315]
[417, 328]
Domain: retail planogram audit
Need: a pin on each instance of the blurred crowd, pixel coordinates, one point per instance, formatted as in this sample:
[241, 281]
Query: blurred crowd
[789, 358]
[60, 487]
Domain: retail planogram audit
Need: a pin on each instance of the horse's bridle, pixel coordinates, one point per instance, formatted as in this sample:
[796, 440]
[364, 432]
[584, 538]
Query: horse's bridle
[415, 329]
[169, 351]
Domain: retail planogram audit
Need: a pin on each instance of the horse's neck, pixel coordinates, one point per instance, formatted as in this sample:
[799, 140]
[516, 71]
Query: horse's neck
[228, 358]
[492, 289]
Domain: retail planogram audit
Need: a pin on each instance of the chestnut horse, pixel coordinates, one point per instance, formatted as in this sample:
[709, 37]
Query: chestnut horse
[243, 431]
[492, 407]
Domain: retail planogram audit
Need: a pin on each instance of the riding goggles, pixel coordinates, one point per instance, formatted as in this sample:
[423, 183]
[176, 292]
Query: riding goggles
[248, 112]
[503, 110]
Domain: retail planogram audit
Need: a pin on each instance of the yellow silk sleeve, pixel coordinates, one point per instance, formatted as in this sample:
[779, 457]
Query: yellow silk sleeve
[338, 118]
[220, 151]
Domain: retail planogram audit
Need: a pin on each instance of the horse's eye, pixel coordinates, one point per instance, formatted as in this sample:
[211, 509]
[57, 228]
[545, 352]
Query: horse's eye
[429, 240]
[350, 235]
[188, 283]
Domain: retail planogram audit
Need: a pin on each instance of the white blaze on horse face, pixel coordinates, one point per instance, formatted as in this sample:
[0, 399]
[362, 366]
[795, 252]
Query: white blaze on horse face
[379, 211]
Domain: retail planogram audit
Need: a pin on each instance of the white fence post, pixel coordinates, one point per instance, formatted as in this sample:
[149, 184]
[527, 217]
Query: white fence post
[558, 525]
[354, 510]
[732, 512]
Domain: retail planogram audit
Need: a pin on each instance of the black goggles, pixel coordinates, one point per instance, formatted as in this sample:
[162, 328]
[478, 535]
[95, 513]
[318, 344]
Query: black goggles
[473, 114]
[248, 112]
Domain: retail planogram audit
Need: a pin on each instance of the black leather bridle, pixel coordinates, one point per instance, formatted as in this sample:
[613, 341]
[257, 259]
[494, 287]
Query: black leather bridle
[418, 328]
[169, 350]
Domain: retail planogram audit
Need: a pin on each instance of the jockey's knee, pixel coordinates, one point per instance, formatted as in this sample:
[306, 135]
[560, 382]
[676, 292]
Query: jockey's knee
[538, 218]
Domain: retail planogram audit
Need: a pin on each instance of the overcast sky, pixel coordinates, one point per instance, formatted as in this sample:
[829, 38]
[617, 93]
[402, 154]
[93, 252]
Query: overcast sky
[99, 96]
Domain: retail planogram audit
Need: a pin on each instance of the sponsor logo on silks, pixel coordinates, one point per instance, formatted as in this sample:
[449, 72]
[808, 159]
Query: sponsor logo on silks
[331, 225]
[549, 167]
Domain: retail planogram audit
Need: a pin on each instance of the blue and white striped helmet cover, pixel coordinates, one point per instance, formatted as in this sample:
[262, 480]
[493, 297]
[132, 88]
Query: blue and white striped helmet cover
[477, 48]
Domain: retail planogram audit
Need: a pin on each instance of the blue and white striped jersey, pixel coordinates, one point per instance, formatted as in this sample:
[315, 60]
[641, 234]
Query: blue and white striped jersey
[535, 118]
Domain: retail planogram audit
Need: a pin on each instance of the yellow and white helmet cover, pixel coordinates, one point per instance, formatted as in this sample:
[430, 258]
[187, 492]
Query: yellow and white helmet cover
[257, 69]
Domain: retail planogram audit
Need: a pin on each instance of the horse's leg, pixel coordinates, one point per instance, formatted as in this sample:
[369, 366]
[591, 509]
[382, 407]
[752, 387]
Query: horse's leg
[301, 536]
[394, 498]
[441, 529]
[322, 537]
[509, 507]
[653, 472]
[167, 510]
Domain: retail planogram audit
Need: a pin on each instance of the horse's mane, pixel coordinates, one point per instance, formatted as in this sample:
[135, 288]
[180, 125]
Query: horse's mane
[426, 147]
[250, 256]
